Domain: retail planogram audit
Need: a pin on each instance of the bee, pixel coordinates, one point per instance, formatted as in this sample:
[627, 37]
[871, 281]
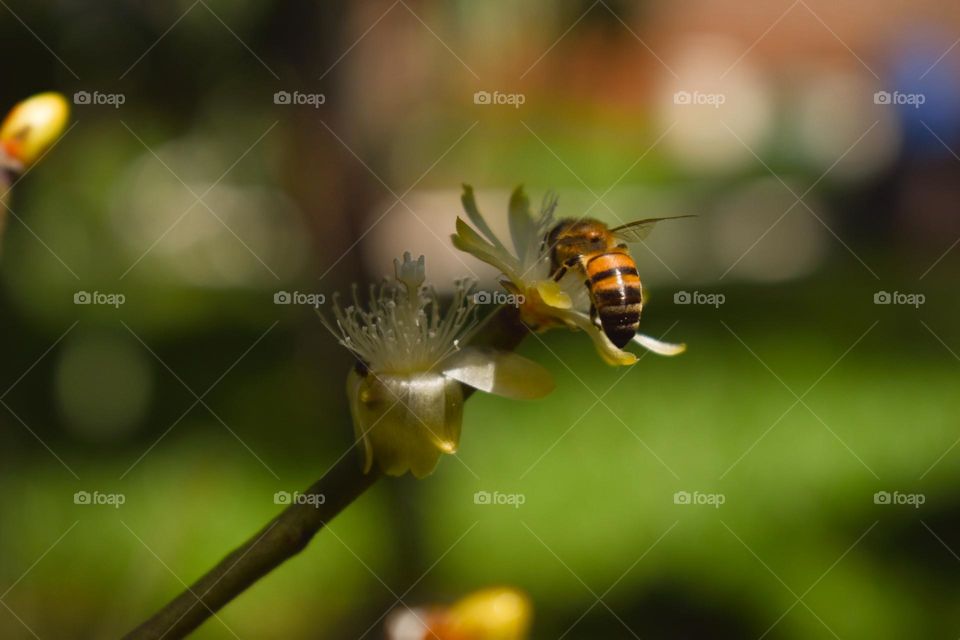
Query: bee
[601, 254]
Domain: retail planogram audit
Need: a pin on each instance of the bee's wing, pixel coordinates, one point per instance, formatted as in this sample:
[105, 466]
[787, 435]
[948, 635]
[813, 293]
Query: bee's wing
[638, 230]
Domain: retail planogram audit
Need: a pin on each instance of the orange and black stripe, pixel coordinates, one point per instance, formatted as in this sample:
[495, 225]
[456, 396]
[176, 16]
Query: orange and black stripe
[616, 293]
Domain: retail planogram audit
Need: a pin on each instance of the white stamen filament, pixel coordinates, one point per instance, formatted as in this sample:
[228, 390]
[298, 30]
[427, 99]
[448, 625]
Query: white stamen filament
[402, 329]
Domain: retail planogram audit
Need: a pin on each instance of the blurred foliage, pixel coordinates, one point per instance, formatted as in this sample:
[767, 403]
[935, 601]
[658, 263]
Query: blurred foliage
[112, 392]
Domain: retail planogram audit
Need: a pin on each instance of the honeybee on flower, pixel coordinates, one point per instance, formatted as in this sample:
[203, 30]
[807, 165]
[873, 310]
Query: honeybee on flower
[406, 392]
[552, 290]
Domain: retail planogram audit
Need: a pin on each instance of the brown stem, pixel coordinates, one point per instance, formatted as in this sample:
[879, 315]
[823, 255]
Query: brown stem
[289, 533]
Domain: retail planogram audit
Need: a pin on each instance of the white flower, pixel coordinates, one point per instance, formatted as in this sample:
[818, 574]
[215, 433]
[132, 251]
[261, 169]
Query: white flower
[406, 396]
[547, 304]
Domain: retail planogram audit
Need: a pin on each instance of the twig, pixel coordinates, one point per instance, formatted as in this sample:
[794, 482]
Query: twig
[290, 532]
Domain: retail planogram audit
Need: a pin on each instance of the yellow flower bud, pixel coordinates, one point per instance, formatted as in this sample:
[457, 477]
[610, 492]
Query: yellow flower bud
[498, 613]
[32, 126]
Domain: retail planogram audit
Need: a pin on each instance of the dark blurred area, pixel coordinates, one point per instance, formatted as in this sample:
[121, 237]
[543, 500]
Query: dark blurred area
[793, 475]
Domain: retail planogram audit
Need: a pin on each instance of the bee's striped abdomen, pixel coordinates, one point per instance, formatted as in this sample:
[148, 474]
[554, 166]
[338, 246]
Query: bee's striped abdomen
[616, 293]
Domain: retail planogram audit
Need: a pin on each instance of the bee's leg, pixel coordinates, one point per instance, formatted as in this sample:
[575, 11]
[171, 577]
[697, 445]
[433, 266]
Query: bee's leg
[562, 271]
[594, 318]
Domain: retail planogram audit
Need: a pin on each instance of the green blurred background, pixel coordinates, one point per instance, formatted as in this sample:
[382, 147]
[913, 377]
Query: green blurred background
[204, 194]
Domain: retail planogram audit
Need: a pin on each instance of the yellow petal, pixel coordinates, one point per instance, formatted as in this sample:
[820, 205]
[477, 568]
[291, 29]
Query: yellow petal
[552, 295]
[405, 422]
[33, 125]
[610, 353]
[468, 240]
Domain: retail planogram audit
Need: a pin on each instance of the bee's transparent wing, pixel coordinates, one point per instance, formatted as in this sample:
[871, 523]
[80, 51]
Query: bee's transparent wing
[638, 230]
[499, 372]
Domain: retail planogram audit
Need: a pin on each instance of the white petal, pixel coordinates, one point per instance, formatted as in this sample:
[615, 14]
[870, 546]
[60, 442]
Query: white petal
[659, 347]
[499, 372]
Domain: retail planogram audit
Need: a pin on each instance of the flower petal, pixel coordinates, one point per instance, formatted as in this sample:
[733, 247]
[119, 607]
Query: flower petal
[659, 347]
[470, 206]
[355, 395]
[610, 353]
[553, 295]
[466, 239]
[522, 225]
[405, 421]
[498, 372]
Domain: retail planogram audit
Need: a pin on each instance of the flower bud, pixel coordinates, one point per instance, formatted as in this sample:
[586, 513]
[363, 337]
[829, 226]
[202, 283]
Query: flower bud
[499, 613]
[32, 126]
